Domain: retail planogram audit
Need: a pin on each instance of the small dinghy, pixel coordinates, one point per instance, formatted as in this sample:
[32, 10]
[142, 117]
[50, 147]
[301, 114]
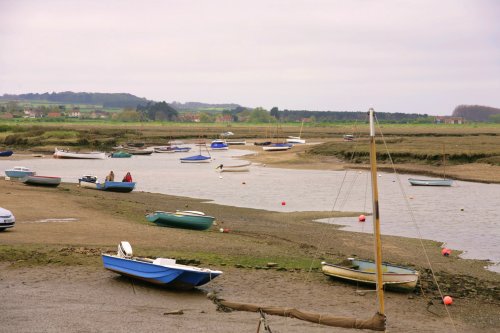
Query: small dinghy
[164, 271]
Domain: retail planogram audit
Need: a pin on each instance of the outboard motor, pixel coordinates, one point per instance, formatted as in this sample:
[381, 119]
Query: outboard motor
[125, 250]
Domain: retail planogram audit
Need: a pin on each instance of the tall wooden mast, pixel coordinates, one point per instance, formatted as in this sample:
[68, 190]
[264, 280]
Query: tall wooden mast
[376, 215]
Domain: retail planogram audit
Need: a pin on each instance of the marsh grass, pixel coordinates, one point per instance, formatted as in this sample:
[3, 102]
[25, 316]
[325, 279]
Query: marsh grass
[427, 150]
[28, 255]
[420, 144]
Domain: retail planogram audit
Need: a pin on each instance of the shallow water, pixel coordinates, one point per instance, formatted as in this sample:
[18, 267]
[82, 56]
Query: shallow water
[465, 216]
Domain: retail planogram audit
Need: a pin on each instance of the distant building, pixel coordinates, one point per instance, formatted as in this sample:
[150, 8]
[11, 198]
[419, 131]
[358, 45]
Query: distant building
[189, 117]
[99, 114]
[75, 113]
[449, 120]
[224, 118]
[54, 114]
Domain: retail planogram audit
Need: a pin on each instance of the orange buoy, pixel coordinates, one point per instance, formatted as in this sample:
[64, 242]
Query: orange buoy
[224, 230]
[362, 218]
[447, 300]
[446, 252]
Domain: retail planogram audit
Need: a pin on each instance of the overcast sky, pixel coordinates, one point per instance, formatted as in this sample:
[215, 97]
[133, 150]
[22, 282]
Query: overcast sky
[396, 56]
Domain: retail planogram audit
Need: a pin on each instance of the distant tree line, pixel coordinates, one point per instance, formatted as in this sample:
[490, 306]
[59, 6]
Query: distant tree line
[338, 116]
[477, 113]
[110, 100]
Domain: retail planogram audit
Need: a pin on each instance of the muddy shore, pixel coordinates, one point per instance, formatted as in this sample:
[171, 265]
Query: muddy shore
[52, 279]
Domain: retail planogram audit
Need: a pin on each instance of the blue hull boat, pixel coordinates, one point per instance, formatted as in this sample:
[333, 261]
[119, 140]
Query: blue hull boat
[196, 159]
[219, 145]
[163, 271]
[116, 186]
[6, 153]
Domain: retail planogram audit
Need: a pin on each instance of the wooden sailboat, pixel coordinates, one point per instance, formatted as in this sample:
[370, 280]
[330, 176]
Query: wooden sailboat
[433, 182]
[377, 322]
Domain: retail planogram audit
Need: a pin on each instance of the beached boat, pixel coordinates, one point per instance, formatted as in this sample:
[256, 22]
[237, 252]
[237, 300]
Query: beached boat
[6, 153]
[163, 271]
[123, 187]
[187, 219]
[277, 147]
[430, 182]
[197, 158]
[263, 143]
[42, 180]
[179, 149]
[219, 145]
[164, 149]
[348, 137]
[433, 182]
[88, 181]
[297, 139]
[59, 153]
[19, 172]
[363, 271]
[234, 168]
[137, 151]
[236, 142]
[120, 154]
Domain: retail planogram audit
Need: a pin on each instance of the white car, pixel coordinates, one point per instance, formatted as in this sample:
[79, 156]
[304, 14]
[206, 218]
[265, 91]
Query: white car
[7, 219]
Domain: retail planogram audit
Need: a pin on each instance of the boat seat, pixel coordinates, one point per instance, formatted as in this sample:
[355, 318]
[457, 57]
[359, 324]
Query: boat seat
[164, 261]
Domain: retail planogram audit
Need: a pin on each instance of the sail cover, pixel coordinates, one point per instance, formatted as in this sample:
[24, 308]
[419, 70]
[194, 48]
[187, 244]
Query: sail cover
[375, 323]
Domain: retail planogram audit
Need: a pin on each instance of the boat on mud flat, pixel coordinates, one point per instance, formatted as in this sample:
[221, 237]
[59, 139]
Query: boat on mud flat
[6, 153]
[120, 154]
[59, 153]
[88, 181]
[123, 187]
[219, 145]
[188, 219]
[430, 182]
[42, 180]
[277, 147]
[357, 270]
[163, 271]
[19, 172]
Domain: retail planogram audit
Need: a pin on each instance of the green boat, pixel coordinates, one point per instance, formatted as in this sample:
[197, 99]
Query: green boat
[188, 219]
[120, 154]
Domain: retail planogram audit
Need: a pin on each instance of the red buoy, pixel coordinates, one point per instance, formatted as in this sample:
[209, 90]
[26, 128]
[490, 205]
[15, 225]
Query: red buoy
[283, 203]
[362, 218]
[447, 300]
[446, 252]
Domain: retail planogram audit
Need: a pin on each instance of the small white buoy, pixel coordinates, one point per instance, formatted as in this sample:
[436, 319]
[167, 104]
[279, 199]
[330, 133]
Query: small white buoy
[220, 177]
